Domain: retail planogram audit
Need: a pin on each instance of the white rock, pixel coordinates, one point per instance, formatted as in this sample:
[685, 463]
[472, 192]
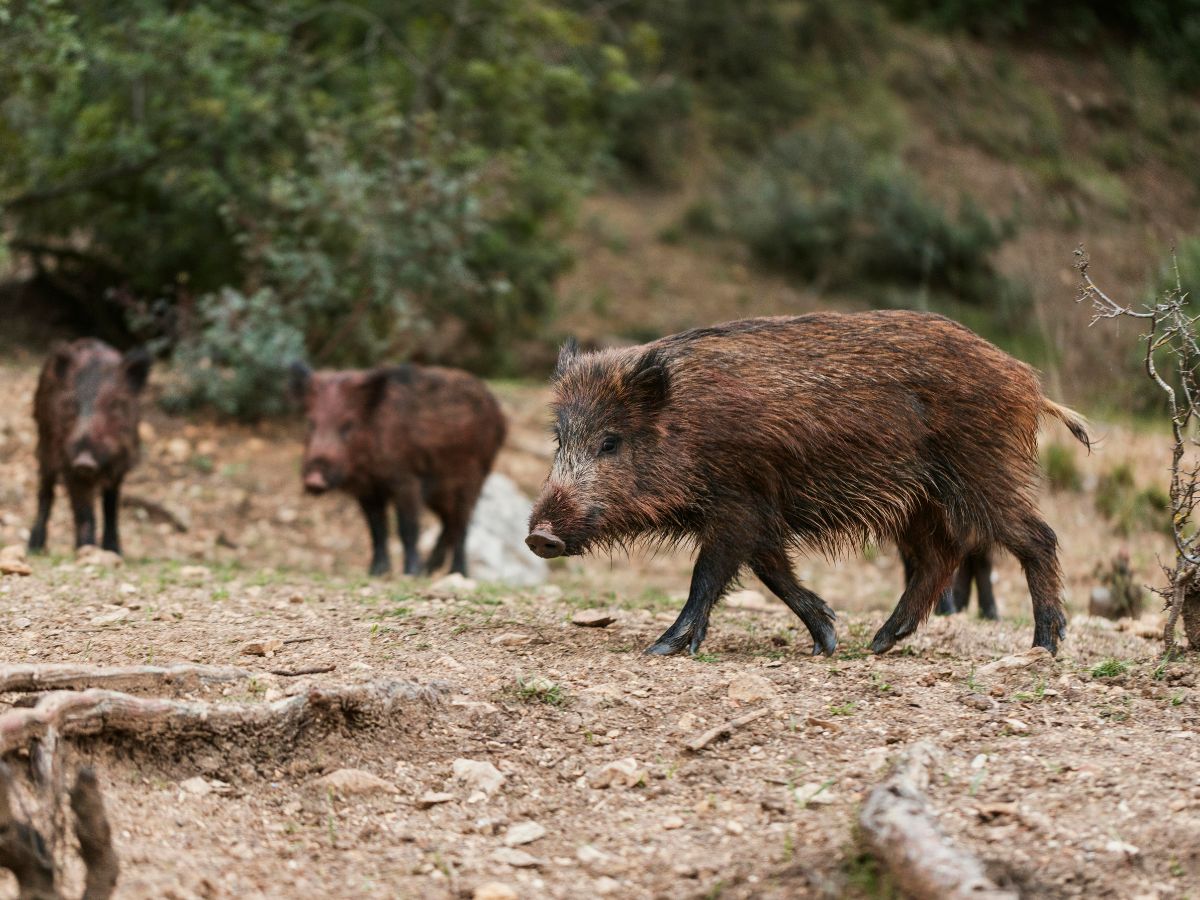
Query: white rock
[12, 553]
[495, 890]
[670, 823]
[518, 859]
[91, 555]
[594, 618]
[452, 585]
[196, 786]
[747, 687]
[195, 573]
[478, 775]
[1022, 660]
[111, 618]
[263, 647]
[523, 833]
[354, 781]
[814, 793]
[619, 773]
[433, 798]
[605, 886]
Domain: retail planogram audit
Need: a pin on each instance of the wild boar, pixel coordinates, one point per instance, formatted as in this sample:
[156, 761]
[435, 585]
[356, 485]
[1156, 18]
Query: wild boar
[406, 436]
[822, 432]
[87, 412]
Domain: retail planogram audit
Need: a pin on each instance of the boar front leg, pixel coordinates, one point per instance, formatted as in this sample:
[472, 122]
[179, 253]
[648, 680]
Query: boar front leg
[774, 569]
[375, 512]
[37, 534]
[83, 506]
[715, 569]
[110, 501]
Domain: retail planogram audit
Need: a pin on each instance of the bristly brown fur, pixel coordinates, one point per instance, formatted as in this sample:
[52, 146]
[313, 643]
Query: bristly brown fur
[405, 436]
[86, 403]
[824, 432]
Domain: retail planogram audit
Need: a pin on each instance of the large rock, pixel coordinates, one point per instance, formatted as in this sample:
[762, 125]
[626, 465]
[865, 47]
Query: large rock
[496, 548]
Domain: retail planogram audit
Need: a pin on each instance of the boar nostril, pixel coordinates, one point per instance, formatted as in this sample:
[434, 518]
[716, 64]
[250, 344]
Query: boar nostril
[85, 462]
[545, 544]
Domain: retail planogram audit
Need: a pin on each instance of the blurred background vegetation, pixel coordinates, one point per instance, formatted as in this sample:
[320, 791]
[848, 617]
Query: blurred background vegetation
[241, 183]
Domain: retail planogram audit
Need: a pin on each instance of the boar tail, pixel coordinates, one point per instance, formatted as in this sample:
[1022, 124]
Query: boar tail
[1075, 423]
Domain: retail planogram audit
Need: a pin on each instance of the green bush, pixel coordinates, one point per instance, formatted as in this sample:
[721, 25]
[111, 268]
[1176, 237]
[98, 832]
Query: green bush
[1129, 508]
[1062, 471]
[820, 205]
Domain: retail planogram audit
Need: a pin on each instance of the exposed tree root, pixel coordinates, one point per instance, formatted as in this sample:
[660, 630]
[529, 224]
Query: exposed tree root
[72, 713]
[24, 852]
[65, 676]
[899, 829]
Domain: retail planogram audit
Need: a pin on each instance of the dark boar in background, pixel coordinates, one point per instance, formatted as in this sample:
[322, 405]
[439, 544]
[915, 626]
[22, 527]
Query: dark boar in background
[405, 436]
[86, 409]
[823, 431]
[976, 569]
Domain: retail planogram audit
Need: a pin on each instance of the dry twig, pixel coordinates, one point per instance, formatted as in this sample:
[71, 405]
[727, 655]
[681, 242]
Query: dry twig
[700, 741]
[900, 831]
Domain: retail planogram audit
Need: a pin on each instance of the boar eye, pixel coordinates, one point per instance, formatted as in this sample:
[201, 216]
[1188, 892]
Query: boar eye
[346, 428]
[609, 445]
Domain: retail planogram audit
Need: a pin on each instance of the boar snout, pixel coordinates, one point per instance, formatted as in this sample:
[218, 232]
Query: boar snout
[315, 482]
[85, 464]
[545, 543]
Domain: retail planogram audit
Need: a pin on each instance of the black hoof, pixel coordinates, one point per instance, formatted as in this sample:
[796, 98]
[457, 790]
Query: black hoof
[664, 648]
[378, 569]
[1049, 630]
[825, 643]
[882, 643]
[990, 615]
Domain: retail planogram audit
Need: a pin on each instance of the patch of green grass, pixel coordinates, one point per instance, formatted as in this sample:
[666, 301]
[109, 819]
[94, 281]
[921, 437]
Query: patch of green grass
[879, 684]
[1128, 507]
[202, 463]
[707, 657]
[1037, 693]
[1177, 699]
[1110, 668]
[1061, 468]
[537, 689]
[844, 709]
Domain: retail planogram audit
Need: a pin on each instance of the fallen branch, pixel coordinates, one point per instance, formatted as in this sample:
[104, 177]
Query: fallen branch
[700, 741]
[67, 676]
[308, 670]
[155, 510]
[95, 711]
[900, 830]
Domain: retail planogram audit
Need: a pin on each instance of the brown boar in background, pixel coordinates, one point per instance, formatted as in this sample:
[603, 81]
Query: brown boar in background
[406, 436]
[86, 409]
[825, 432]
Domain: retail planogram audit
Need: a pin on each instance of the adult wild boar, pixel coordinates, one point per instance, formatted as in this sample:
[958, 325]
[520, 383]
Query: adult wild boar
[403, 435]
[823, 431]
[86, 409]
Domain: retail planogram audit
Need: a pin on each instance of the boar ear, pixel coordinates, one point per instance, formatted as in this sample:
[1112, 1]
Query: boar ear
[60, 355]
[649, 382]
[567, 352]
[136, 366]
[299, 378]
[375, 386]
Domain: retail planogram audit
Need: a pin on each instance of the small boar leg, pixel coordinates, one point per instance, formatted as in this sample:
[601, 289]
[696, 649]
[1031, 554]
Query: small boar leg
[715, 569]
[961, 592]
[934, 556]
[37, 534]
[1036, 547]
[774, 569]
[983, 585]
[375, 512]
[947, 603]
[110, 501]
[83, 506]
[409, 528]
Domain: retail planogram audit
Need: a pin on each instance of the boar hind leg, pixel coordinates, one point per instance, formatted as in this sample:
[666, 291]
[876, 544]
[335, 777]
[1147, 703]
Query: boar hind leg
[45, 498]
[1034, 544]
[934, 556]
[83, 506]
[774, 569]
[981, 573]
[947, 604]
[110, 501]
[714, 571]
[452, 540]
[375, 512]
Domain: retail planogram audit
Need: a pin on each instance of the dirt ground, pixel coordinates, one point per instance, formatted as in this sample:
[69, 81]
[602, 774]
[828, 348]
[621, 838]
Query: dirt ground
[1065, 781]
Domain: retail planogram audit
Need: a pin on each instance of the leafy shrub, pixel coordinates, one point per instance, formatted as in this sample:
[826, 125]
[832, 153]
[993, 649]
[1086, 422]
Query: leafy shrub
[823, 207]
[1127, 507]
[1062, 471]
